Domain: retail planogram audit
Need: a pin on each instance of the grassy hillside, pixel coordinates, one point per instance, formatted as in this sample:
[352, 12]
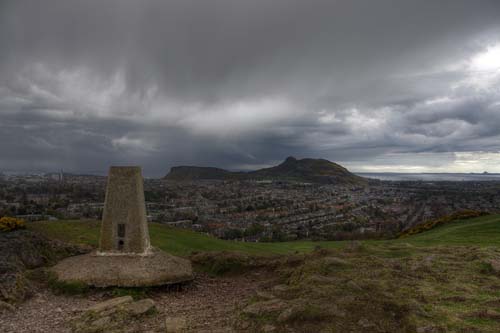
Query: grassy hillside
[175, 241]
[442, 280]
[482, 231]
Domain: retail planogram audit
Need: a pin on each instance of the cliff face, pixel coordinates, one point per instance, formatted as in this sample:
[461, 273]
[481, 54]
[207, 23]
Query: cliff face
[306, 170]
[195, 173]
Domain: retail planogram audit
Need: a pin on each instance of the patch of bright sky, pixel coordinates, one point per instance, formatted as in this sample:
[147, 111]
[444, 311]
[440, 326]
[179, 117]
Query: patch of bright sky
[488, 60]
[462, 162]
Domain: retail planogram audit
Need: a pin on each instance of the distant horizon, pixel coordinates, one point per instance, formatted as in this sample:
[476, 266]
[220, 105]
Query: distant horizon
[147, 175]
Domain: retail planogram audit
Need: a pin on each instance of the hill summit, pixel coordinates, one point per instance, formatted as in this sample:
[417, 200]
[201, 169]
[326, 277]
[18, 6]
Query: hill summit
[305, 170]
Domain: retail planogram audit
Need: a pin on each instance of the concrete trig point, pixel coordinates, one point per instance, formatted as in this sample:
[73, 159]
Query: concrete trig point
[125, 257]
[124, 228]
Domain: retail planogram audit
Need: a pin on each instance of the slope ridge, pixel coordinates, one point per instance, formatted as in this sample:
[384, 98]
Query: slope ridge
[306, 170]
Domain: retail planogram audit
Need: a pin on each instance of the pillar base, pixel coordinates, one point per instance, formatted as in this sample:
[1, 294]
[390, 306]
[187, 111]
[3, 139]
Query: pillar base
[155, 269]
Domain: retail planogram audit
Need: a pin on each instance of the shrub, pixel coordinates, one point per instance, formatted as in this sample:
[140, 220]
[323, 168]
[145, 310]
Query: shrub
[11, 223]
[461, 215]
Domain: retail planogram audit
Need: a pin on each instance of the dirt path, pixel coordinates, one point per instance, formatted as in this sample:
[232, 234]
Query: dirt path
[207, 304]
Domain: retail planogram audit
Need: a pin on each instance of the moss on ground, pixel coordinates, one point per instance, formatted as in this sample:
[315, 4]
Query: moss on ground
[434, 289]
[60, 287]
[43, 277]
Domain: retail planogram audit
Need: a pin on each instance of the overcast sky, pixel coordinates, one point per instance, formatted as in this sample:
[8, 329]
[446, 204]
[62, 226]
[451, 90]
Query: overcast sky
[377, 85]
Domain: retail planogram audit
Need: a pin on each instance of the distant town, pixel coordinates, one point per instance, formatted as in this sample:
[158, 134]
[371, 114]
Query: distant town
[257, 210]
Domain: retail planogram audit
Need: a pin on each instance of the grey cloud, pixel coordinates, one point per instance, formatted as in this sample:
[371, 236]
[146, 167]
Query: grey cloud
[85, 84]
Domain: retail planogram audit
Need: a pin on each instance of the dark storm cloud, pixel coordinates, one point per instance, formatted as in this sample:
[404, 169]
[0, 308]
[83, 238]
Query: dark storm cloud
[85, 84]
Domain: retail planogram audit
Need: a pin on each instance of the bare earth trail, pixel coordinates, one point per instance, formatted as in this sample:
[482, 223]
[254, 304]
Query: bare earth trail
[207, 305]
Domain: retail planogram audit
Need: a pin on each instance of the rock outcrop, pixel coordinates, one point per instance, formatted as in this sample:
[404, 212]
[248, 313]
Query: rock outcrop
[113, 315]
[21, 250]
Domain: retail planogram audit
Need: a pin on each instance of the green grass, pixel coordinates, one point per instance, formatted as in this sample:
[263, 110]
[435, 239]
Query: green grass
[176, 241]
[482, 231]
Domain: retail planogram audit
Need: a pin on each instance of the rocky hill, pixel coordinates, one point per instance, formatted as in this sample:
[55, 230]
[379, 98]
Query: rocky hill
[182, 173]
[306, 170]
[310, 170]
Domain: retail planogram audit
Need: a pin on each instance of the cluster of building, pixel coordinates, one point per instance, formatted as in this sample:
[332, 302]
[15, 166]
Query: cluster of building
[285, 210]
[257, 210]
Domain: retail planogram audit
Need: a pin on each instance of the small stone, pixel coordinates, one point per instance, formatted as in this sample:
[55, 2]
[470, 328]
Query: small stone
[265, 295]
[280, 288]
[260, 308]
[335, 311]
[493, 303]
[175, 324]
[334, 261]
[353, 285]
[4, 306]
[347, 299]
[101, 323]
[455, 299]
[140, 307]
[111, 303]
[268, 328]
[495, 266]
[320, 279]
[417, 308]
[429, 259]
[364, 323]
[244, 325]
[354, 246]
[489, 314]
[428, 329]
[287, 314]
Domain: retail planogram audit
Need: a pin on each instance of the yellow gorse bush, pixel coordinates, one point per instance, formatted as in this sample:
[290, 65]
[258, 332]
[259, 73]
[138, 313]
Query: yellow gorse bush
[460, 215]
[11, 223]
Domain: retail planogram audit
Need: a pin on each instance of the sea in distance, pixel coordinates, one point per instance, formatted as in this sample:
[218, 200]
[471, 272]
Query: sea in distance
[431, 177]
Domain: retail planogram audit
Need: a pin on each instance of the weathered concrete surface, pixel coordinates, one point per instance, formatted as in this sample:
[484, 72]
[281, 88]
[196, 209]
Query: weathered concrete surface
[175, 325]
[140, 307]
[125, 257]
[124, 226]
[158, 268]
[110, 303]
